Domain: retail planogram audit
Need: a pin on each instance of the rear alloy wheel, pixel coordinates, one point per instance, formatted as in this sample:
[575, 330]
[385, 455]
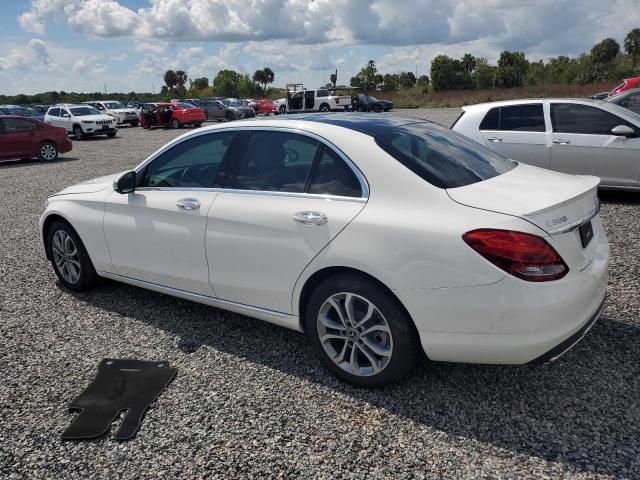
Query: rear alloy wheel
[282, 109]
[47, 152]
[78, 133]
[134, 124]
[360, 332]
[175, 123]
[229, 116]
[324, 108]
[69, 258]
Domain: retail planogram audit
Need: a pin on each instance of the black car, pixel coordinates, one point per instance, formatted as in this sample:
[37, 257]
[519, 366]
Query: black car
[366, 103]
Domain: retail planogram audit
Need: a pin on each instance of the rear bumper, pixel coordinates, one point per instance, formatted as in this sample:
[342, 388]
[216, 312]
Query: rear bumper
[510, 321]
[567, 344]
[64, 145]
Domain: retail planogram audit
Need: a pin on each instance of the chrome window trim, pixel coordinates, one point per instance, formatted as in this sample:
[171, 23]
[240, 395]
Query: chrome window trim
[364, 185]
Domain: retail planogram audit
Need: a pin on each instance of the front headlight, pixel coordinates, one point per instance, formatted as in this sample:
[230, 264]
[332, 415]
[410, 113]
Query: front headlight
[87, 121]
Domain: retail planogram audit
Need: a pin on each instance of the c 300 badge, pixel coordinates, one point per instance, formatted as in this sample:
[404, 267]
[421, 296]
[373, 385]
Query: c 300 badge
[556, 221]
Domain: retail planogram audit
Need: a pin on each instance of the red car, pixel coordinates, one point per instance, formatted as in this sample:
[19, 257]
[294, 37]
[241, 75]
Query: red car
[627, 84]
[173, 115]
[265, 106]
[26, 138]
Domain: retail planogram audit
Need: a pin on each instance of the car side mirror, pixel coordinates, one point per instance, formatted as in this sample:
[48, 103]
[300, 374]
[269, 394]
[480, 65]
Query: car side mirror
[126, 182]
[623, 131]
[66, 115]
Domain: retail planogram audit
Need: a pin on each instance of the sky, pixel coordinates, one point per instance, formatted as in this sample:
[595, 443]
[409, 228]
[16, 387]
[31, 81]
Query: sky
[127, 45]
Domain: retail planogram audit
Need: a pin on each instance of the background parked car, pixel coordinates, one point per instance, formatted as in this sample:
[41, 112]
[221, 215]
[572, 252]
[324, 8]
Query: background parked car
[362, 102]
[282, 105]
[586, 137]
[82, 120]
[174, 115]
[229, 109]
[21, 111]
[26, 138]
[627, 84]
[629, 99]
[265, 106]
[117, 110]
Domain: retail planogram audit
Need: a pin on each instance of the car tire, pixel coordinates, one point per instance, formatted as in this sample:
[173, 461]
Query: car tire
[282, 109]
[111, 134]
[197, 125]
[134, 124]
[325, 108]
[69, 258]
[175, 123]
[47, 152]
[229, 116]
[376, 108]
[386, 342]
[78, 133]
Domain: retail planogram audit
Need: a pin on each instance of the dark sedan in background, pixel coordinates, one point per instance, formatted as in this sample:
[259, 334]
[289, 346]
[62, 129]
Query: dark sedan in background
[366, 103]
[28, 138]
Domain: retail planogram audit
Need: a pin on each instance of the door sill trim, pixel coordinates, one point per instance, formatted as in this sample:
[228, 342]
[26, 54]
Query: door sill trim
[278, 318]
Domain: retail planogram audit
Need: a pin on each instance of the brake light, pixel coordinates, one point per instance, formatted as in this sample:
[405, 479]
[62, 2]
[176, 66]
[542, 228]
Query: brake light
[523, 255]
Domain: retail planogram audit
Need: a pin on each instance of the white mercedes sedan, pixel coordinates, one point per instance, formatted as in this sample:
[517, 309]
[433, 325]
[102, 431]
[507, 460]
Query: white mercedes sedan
[379, 236]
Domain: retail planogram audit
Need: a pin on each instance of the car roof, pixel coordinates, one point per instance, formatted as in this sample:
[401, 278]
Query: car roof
[520, 101]
[25, 118]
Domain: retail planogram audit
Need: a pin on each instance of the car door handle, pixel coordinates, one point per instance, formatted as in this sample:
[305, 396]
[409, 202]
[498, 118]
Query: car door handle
[494, 139]
[310, 218]
[188, 203]
[561, 142]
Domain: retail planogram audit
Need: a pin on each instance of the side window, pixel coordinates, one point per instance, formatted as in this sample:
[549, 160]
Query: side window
[525, 118]
[274, 161]
[64, 112]
[194, 163]
[323, 93]
[491, 120]
[576, 118]
[54, 112]
[333, 176]
[17, 125]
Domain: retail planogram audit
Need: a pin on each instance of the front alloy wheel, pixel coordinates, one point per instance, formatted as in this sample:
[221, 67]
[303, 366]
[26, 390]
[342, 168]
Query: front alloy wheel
[65, 256]
[69, 258]
[354, 334]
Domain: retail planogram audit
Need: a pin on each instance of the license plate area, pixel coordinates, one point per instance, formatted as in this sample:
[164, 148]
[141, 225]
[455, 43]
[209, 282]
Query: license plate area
[105, 127]
[586, 233]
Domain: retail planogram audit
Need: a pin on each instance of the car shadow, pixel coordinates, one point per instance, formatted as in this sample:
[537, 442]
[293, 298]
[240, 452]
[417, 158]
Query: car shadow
[612, 196]
[562, 412]
[21, 163]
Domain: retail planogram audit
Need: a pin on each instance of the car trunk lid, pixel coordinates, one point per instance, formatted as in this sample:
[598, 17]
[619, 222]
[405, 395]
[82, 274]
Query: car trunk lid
[553, 201]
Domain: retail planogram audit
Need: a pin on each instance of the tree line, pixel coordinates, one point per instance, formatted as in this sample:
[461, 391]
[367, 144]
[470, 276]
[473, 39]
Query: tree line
[226, 83]
[605, 62]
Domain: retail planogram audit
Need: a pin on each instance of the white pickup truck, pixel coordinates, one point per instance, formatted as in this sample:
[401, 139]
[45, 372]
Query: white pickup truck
[314, 100]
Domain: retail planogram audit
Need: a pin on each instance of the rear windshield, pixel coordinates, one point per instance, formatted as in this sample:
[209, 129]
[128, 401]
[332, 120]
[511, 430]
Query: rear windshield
[440, 156]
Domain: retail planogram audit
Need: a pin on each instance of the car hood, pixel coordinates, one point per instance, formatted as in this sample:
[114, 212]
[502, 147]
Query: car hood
[90, 186]
[123, 110]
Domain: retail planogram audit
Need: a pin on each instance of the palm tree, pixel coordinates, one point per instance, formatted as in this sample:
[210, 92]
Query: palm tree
[333, 78]
[269, 76]
[170, 79]
[259, 77]
[632, 45]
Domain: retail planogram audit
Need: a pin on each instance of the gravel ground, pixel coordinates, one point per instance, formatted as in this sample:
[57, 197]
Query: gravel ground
[251, 400]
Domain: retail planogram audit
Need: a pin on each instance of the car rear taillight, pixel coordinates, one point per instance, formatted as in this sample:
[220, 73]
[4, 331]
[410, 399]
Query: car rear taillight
[523, 255]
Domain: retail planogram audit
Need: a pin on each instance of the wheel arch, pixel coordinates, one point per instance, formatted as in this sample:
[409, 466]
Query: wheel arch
[46, 224]
[324, 104]
[319, 276]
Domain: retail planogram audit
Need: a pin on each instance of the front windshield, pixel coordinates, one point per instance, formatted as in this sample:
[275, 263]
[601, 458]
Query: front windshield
[232, 103]
[83, 111]
[113, 105]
